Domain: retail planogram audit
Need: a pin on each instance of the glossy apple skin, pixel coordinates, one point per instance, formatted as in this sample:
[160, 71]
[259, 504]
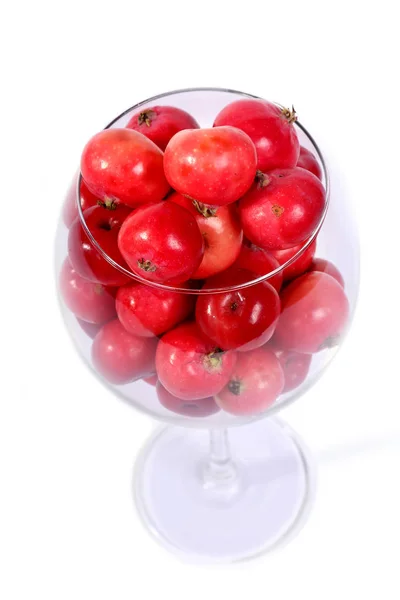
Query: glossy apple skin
[300, 265]
[189, 365]
[121, 357]
[161, 123]
[70, 209]
[314, 314]
[203, 407]
[325, 266]
[244, 319]
[213, 166]
[162, 243]
[255, 383]
[260, 262]
[104, 225]
[308, 161]
[123, 165]
[222, 235]
[265, 123]
[282, 208]
[295, 368]
[149, 311]
[91, 302]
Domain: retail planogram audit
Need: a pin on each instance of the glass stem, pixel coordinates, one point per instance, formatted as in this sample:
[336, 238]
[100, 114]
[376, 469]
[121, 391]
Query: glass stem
[219, 470]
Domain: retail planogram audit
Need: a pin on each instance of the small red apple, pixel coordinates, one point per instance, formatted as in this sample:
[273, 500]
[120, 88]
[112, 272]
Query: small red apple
[162, 243]
[213, 166]
[260, 262]
[91, 302]
[314, 314]
[122, 165]
[104, 225]
[189, 365]
[255, 383]
[282, 208]
[221, 231]
[325, 266]
[300, 265]
[295, 367]
[308, 161]
[121, 357]
[161, 123]
[148, 311]
[270, 127]
[242, 318]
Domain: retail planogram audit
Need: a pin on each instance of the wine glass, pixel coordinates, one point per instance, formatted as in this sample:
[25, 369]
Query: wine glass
[222, 481]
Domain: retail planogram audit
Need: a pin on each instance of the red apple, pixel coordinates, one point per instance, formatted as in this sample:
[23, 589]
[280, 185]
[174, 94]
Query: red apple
[325, 266]
[213, 166]
[244, 318]
[282, 208]
[295, 367]
[162, 243]
[308, 161]
[91, 302]
[148, 311]
[161, 123]
[121, 357]
[222, 235]
[314, 314]
[300, 265]
[189, 365]
[270, 127]
[104, 224]
[260, 262]
[255, 383]
[122, 165]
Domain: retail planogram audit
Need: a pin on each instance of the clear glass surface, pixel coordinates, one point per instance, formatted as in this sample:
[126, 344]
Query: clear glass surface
[256, 503]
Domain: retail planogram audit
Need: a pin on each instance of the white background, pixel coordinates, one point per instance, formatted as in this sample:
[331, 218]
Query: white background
[67, 524]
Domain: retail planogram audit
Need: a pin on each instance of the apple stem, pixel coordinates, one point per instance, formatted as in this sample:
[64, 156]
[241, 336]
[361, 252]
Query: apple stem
[146, 265]
[213, 360]
[262, 179]
[204, 210]
[289, 115]
[108, 203]
[146, 117]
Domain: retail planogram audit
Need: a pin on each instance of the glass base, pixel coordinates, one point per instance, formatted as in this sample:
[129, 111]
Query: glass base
[263, 502]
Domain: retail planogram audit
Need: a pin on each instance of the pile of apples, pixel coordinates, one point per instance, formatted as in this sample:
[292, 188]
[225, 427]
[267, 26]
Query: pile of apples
[195, 216]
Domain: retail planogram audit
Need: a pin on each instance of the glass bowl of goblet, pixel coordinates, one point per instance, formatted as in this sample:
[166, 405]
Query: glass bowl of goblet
[224, 479]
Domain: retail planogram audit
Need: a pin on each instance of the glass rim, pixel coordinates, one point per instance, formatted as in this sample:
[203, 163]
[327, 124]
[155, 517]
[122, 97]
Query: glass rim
[201, 291]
